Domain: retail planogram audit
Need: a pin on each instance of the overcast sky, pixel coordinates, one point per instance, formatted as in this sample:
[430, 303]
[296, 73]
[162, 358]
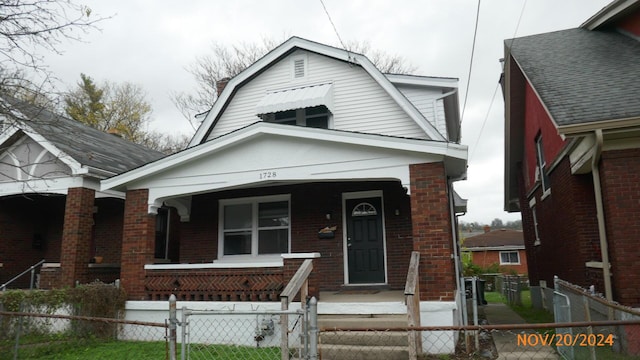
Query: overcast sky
[150, 42]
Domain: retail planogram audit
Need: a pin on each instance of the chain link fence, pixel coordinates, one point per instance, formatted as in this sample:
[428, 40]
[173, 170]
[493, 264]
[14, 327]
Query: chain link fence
[52, 336]
[255, 335]
[575, 304]
[591, 340]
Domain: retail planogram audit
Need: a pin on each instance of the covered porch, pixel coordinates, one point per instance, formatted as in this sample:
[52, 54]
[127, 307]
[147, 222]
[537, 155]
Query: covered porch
[231, 219]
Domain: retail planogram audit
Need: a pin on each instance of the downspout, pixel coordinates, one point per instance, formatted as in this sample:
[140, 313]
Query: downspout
[462, 317]
[602, 229]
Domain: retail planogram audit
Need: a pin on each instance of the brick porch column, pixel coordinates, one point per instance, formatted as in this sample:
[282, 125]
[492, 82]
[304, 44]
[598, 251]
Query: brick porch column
[76, 235]
[432, 236]
[138, 241]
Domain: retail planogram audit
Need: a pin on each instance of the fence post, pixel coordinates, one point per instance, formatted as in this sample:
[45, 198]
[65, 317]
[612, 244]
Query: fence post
[184, 324]
[313, 328]
[474, 297]
[173, 321]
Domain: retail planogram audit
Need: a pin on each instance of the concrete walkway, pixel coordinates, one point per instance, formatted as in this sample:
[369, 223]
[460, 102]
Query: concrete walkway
[506, 340]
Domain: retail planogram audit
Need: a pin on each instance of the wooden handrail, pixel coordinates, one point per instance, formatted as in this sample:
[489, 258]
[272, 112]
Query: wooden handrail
[298, 283]
[412, 298]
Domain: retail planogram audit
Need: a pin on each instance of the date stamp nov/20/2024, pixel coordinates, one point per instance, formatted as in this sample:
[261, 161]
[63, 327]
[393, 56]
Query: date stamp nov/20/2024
[558, 340]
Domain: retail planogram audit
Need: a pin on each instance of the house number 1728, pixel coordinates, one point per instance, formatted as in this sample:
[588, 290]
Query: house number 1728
[267, 175]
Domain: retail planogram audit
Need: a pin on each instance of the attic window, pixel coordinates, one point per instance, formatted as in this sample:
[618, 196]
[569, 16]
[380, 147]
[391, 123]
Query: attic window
[299, 67]
[315, 117]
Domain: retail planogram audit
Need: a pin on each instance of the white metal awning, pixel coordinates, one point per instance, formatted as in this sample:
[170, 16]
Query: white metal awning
[296, 98]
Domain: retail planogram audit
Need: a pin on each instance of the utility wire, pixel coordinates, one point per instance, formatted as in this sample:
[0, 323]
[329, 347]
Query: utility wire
[496, 89]
[473, 48]
[332, 24]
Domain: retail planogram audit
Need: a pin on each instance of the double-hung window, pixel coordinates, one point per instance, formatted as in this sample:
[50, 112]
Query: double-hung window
[254, 226]
[509, 258]
[544, 177]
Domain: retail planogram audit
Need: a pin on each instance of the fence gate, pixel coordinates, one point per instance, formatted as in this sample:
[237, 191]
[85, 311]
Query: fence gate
[247, 334]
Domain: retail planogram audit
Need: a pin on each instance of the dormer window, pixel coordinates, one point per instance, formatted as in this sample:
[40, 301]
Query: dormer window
[315, 117]
[309, 106]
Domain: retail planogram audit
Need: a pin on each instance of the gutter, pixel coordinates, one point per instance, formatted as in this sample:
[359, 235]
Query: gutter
[602, 230]
[462, 315]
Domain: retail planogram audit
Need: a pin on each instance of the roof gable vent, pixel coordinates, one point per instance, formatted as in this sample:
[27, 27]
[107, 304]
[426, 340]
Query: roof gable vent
[299, 67]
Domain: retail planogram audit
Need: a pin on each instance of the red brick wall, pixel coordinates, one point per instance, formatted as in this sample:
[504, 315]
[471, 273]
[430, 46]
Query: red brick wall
[77, 235]
[432, 231]
[137, 243]
[567, 227]
[108, 230]
[21, 218]
[631, 23]
[620, 177]
[537, 121]
[309, 205]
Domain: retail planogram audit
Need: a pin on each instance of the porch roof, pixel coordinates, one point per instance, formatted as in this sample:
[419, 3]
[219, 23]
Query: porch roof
[264, 154]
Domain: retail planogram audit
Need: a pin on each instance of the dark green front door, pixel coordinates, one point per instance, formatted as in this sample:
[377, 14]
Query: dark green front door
[365, 247]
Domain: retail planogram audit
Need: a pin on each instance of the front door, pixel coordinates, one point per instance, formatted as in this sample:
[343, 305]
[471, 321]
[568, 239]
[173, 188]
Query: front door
[365, 244]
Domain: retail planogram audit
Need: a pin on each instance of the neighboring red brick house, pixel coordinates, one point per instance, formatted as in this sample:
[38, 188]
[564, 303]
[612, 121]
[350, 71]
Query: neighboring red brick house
[51, 206]
[572, 152]
[309, 137]
[504, 247]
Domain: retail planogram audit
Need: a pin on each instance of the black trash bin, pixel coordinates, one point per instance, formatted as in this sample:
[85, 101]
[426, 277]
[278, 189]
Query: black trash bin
[480, 284]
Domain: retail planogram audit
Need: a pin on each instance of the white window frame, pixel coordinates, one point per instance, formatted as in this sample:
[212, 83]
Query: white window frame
[532, 206]
[541, 163]
[510, 252]
[254, 201]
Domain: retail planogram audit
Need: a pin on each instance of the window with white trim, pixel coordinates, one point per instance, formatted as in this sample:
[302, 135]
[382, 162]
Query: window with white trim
[254, 226]
[532, 206]
[509, 258]
[541, 164]
[315, 117]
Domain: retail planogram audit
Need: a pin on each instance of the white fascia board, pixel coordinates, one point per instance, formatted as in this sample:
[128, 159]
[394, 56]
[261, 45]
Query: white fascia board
[439, 82]
[322, 49]
[606, 13]
[450, 150]
[41, 186]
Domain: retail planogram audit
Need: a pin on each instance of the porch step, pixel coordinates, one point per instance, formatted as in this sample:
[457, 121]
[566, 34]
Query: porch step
[363, 352]
[365, 345]
[368, 321]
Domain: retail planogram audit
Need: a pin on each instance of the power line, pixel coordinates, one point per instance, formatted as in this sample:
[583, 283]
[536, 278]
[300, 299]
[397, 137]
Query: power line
[484, 122]
[473, 48]
[332, 24]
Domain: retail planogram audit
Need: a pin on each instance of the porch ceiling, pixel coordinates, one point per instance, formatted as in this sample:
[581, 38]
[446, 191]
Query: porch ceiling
[266, 154]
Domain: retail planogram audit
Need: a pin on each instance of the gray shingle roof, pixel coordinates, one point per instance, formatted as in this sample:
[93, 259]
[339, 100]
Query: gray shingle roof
[582, 76]
[86, 145]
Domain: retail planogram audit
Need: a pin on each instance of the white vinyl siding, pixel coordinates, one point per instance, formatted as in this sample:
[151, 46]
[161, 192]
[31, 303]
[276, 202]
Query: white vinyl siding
[360, 104]
[428, 103]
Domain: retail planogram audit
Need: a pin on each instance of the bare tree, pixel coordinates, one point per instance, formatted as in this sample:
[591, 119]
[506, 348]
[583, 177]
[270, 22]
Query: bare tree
[28, 30]
[225, 62]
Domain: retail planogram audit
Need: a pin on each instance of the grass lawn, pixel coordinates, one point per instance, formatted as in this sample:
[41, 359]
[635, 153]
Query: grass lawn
[528, 313]
[131, 350]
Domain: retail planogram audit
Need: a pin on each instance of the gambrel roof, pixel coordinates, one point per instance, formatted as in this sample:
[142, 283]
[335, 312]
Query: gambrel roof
[296, 43]
[83, 148]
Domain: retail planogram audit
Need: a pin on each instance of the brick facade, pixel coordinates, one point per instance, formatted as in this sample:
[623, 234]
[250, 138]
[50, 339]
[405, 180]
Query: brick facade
[77, 236]
[31, 230]
[620, 177]
[432, 235]
[567, 224]
[137, 243]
